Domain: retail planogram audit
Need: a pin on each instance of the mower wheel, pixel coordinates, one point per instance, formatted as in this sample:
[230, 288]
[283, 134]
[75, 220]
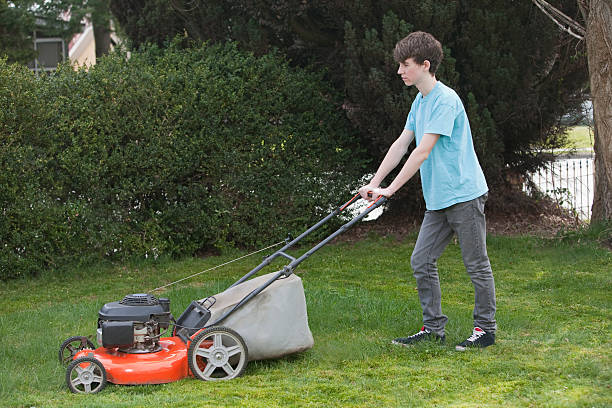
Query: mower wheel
[217, 353]
[73, 345]
[86, 375]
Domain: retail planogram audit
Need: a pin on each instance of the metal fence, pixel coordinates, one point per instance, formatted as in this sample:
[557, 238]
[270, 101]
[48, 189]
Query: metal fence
[569, 182]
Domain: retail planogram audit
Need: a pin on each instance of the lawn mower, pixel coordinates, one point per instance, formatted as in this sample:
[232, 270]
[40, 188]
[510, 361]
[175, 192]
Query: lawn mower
[133, 351]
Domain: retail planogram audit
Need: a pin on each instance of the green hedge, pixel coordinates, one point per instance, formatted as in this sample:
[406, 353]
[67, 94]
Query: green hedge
[169, 152]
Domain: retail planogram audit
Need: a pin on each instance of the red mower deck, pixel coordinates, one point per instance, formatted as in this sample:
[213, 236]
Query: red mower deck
[167, 365]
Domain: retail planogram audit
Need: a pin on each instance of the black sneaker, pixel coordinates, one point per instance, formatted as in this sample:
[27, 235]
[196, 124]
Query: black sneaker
[424, 334]
[479, 338]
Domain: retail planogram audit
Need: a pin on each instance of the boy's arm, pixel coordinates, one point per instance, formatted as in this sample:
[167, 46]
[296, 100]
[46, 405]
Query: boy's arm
[397, 150]
[416, 158]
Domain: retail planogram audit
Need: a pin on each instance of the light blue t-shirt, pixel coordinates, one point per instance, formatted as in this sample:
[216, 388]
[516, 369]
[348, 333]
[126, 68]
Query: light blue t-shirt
[451, 174]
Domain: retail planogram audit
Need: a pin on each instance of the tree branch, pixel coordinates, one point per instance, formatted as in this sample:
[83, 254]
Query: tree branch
[566, 23]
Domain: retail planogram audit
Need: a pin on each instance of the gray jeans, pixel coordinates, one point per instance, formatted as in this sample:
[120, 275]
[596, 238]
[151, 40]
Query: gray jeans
[467, 220]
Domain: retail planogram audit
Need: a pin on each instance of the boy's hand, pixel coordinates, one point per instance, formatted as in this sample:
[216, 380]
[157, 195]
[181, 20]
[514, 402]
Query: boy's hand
[367, 189]
[371, 193]
[377, 192]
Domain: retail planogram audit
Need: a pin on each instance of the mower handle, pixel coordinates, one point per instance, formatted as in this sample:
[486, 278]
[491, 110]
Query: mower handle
[288, 270]
[281, 252]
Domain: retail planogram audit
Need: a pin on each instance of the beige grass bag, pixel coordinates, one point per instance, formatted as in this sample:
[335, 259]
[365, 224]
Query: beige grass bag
[274, 323]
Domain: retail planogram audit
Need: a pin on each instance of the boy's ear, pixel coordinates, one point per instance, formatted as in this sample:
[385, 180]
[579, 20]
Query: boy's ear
[427, 64]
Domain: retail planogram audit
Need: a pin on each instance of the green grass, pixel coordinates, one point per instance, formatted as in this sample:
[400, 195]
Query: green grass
[553, 348]
[581, 137]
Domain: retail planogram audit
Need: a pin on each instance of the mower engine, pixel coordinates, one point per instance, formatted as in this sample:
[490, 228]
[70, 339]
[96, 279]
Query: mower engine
[134, 324]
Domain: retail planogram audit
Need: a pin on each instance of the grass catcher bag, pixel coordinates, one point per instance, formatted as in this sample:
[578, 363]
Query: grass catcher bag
[274, 323]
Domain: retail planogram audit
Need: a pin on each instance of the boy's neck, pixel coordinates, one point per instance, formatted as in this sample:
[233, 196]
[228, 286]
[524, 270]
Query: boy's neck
[427, 84]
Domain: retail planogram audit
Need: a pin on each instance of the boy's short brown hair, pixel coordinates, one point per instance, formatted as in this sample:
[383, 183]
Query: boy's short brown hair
[419, 46]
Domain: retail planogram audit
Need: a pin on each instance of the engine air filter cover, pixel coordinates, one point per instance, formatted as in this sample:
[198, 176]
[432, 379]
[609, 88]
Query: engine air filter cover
[140, 299]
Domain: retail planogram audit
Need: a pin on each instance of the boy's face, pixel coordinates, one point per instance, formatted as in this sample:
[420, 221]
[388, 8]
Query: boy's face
[411, 72]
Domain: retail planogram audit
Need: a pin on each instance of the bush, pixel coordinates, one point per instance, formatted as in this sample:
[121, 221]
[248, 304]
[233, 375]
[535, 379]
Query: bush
[168, 153]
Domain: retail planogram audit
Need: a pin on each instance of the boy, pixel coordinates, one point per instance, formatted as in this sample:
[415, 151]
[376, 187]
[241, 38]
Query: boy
[454, 189]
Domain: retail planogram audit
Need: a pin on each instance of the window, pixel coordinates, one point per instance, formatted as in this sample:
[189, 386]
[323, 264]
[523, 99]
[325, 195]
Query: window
[51, 51]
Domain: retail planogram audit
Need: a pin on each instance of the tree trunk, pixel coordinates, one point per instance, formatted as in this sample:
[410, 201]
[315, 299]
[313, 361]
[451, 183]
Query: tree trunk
[102, 37]
[598, 17]
[100, 18]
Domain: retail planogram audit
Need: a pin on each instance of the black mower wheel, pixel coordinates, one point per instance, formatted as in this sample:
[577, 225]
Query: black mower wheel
[217, 353]
[86, 375]
[73, 345]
